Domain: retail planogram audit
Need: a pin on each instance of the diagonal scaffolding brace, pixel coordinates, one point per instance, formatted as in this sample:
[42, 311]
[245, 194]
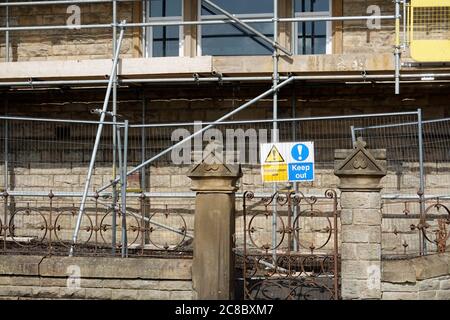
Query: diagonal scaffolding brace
[246, 26]
[223, 118]
[97, 142]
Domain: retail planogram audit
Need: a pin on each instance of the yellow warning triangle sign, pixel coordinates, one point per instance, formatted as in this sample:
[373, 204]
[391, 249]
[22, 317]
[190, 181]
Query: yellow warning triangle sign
[274, 155]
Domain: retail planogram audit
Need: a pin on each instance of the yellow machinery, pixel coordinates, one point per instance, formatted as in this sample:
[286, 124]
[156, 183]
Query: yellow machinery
[429, 25]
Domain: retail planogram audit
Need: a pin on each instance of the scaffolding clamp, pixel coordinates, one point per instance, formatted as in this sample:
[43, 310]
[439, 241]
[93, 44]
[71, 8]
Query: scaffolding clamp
[196, 78]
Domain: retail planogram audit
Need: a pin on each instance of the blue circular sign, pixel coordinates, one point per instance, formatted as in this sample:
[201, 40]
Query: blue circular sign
[300, 152]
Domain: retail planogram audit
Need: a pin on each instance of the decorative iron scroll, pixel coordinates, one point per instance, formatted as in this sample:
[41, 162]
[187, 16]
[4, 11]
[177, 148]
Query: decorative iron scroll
[425, 233]
[290, 247]
[45, 225]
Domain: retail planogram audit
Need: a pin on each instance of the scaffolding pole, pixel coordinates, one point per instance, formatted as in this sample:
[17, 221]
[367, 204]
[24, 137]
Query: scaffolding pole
[275, 81]
[114, 116]
[7, 33]
[421, 192]
[200, 22]
[361, 77]
[397, 46]
[97, 141]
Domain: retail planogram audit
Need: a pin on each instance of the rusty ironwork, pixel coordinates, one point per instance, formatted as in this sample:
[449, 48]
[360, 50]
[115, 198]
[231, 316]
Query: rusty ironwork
[309, 273]
[44, 225]
[410, 226]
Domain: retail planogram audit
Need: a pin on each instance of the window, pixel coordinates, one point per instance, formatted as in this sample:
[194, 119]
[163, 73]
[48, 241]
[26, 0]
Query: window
[231, 39]
[312, 37]
[164, 41]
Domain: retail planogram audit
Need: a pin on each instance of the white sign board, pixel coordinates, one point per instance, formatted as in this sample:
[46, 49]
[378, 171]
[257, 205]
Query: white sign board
[288, 161]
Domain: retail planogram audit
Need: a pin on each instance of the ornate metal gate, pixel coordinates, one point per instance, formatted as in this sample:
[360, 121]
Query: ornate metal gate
[290, 246]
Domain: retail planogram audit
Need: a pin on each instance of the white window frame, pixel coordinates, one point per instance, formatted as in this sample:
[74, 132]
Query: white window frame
[149, 30]
[220, 17]
[329, 27]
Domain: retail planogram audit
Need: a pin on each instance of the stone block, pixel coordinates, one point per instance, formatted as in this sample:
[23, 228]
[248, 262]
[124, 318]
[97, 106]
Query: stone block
[117, 268]
[398, 271]
[72, 293]
[46, 292]
[181, 295]
[358, 234]
[16, 291]
[139, 284]
[19, 281]
[19, 265]
[358, 269]
[66, 180]
[370, 217]
[346, 216]
[399, 287]
[160, 181]
[400, 296]
[429, 284]
[427, 295]
[443, 295]
[98, 293]
[93, 283]
[368, 251]
[445, 284]
[360, 200]
[351, 288]
[431, 266]
[348, 251]
[124, 294]
[52, 282]
[153, 295]
[175, 285]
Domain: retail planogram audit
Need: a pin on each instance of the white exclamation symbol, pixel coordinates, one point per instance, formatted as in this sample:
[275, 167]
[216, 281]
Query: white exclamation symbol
[300, 152]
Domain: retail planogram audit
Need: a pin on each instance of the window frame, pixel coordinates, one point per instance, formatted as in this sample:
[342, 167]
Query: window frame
[329, 28]
[149, 31]
[220, 17]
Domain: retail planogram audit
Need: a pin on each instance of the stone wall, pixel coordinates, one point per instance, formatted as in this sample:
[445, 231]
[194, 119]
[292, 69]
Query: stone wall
[422, 278]
[96, 43]
[357, 38]
[38, 277]
[67, 44]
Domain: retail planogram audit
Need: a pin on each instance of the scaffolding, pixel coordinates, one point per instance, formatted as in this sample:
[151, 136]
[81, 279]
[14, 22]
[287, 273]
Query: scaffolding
[278, 81]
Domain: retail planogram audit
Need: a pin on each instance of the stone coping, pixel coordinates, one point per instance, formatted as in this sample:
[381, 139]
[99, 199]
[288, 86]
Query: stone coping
[97, 267]
[186, 66]
[416, 269]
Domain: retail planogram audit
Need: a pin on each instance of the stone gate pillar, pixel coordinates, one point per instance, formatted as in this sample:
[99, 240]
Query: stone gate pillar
[214, 227]
[360, 172]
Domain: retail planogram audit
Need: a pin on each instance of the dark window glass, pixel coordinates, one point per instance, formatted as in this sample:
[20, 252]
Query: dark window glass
[312, 37]
[311, 5]
[232, 40]
[165, 41]
[240, 6]
[165, 8]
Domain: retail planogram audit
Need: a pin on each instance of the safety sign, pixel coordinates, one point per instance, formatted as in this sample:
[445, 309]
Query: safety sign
[287, 161]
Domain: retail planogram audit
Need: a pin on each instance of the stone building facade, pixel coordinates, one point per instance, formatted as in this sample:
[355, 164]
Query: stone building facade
[44, 157]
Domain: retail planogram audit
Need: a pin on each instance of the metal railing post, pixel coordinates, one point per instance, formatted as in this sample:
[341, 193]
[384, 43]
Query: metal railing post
[421, 192]
[124, 191]
[96, 144]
